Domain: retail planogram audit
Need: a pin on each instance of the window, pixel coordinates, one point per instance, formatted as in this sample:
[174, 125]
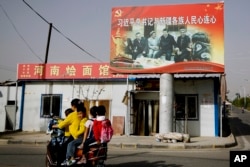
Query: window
[11, 102]
[186, 107]
[51, 105]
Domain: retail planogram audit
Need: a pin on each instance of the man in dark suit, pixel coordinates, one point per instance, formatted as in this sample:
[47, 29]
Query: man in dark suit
[184, 49]
[140, 46]
[167, 45]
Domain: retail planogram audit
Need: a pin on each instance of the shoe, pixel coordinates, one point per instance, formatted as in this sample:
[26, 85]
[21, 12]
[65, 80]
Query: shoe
[49, 132]
[81, 161]
[80, 146]
[64, 163]
[70, 162]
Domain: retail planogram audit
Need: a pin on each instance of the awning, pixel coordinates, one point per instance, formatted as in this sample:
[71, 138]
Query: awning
[133, 77]
[196, 75]
[228, 103]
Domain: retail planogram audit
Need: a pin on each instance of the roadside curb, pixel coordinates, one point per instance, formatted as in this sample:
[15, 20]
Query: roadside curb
[176, 146]
[233, 141]
[37, 142]
[3, 141]
[131, 142]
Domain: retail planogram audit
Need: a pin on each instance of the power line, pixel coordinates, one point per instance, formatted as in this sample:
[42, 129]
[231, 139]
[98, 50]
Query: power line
[76, 44]
[62, 33]
[19, 34]
[36, 12]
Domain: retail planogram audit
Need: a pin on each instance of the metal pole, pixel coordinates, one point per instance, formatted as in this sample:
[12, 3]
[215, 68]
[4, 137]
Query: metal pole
[244, 97]
[73, 88]
[186, 116]
[16, 99]
[48, 42]
[221, 107]
[127, 118]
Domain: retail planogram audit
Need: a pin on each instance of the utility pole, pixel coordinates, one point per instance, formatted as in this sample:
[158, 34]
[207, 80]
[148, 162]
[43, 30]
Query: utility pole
[48, 43]
[244, 96]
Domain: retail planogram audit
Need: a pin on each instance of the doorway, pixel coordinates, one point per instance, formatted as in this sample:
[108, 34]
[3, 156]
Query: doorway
[144, 113]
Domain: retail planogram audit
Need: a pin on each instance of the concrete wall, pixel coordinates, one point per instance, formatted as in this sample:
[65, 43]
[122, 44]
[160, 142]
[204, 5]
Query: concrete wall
[205, 125]
[9, 93]
[83, 90]
[32, 105]
[3, 102]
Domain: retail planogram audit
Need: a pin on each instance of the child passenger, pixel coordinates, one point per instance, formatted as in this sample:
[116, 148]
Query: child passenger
[71, 148]
[58, 136]
[97, 126]
[88, 135]
[72, 123]
[55, 120]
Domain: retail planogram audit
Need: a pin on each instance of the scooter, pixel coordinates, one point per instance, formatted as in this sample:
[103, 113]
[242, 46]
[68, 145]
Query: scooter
[95, 157]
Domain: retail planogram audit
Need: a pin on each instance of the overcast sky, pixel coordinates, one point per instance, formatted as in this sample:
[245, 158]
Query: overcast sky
[23, 34]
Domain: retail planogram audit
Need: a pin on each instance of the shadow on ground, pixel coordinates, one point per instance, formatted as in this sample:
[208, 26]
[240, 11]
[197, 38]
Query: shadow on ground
[244, 128]
[226, 129]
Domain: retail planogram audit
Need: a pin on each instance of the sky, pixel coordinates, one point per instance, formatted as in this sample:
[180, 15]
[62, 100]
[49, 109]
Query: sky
[24, 35]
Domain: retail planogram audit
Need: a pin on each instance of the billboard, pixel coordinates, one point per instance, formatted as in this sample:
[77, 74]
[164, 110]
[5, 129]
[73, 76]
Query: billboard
[66, 71]
[183, 38]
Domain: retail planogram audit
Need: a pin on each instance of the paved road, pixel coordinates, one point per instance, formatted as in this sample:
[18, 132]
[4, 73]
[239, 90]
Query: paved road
[187, 158]
[34, 156]
[22, 155]
[241, 128]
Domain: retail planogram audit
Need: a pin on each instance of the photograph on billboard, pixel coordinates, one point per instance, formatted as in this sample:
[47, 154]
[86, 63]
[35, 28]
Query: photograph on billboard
[183, 38]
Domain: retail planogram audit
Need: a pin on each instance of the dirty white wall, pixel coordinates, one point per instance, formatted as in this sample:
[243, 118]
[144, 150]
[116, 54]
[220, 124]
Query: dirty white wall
[9, 93]
[3, 102]
[32, 105]
[205, 125]
[83, 90]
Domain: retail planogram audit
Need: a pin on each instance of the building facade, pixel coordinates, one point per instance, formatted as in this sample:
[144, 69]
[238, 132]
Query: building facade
[132, 103]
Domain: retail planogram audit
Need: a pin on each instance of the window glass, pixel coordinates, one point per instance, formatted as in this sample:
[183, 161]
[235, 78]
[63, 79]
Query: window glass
[51, 105]
[192, 107]
[186, 107]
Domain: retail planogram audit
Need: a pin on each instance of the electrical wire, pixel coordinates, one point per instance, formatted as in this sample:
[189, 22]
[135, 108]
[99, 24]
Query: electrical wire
[19, 34]
[62, 33]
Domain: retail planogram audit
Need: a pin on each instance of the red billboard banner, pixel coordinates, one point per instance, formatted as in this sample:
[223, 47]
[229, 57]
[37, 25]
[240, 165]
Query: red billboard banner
[183, 38]
[66, 71]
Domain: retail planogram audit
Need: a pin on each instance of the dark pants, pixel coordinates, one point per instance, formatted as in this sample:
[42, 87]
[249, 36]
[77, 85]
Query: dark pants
[185, 55]
[61, 154]
[87, 143]
[167, 54]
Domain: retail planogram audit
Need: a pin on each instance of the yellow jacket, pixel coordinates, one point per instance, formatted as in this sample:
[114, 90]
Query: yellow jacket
[81, 128]
[72, 121]
[66, 129]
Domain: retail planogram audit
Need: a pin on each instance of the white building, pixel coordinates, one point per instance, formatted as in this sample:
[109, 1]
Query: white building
[196, 103]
